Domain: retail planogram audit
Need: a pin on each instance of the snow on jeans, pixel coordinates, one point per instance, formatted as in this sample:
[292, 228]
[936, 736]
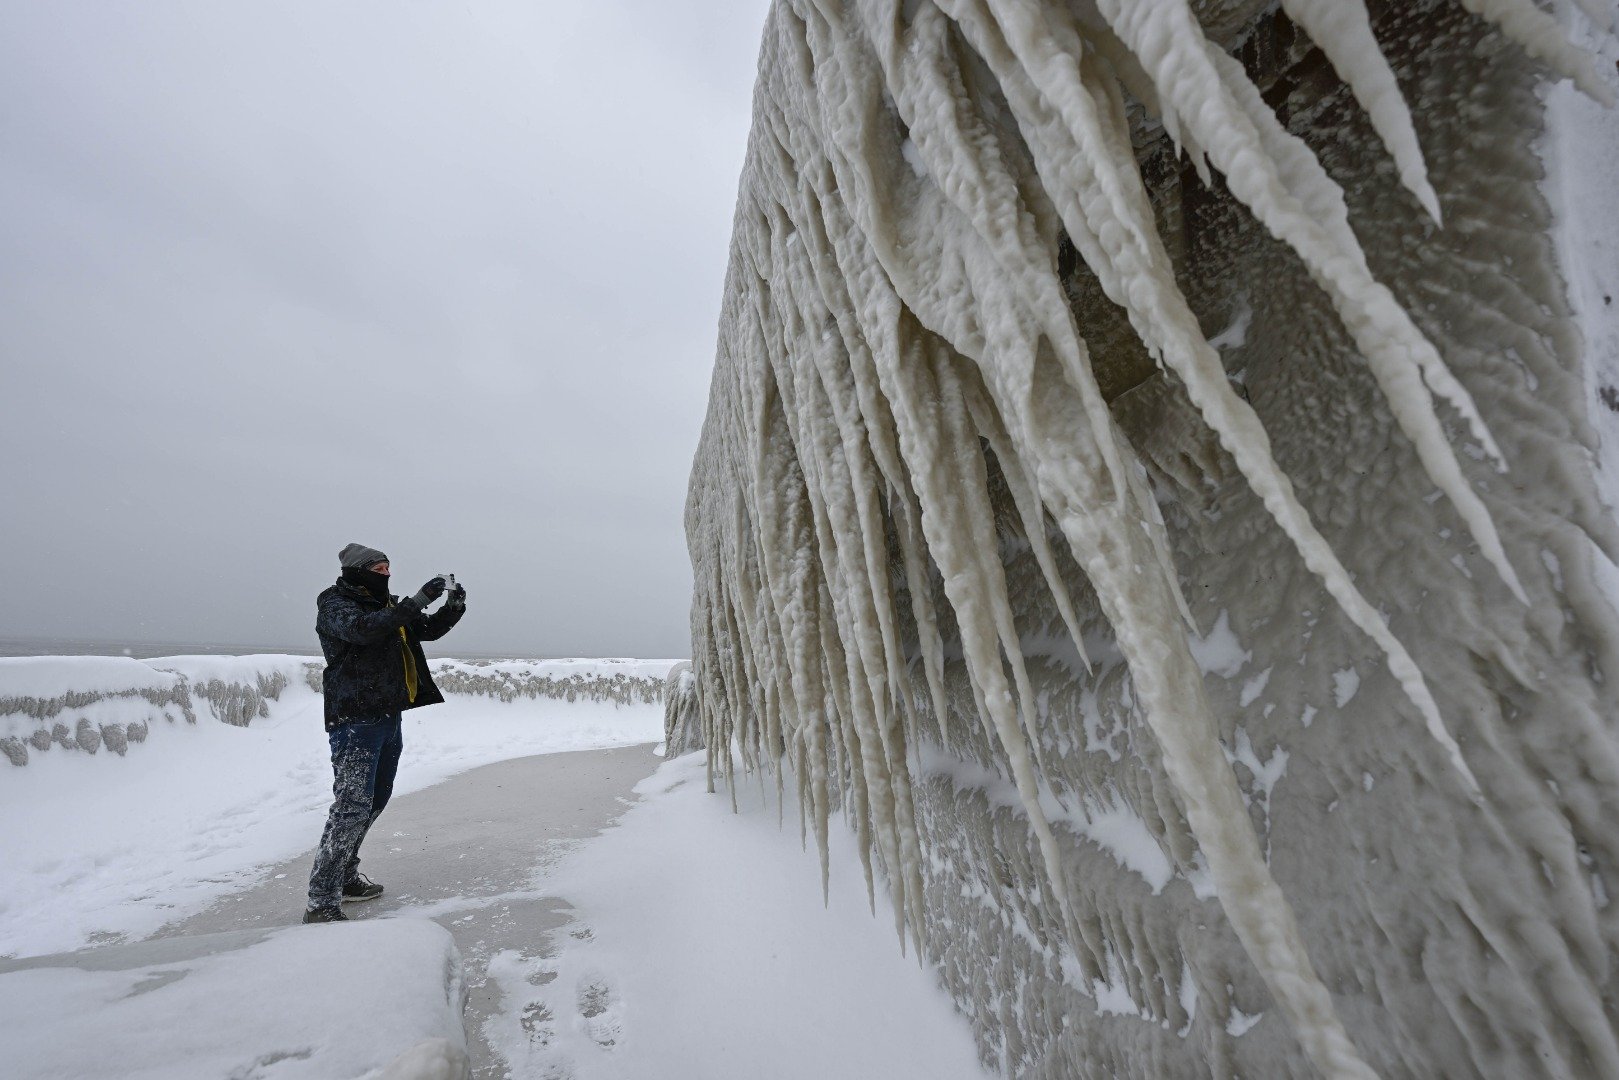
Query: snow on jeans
[365, 757]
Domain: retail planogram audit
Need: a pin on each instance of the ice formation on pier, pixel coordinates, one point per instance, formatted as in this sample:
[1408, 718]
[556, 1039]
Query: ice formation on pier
[941, 486]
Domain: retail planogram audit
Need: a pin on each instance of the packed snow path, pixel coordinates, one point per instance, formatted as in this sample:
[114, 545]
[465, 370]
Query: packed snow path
[467, 853]
[608, 957]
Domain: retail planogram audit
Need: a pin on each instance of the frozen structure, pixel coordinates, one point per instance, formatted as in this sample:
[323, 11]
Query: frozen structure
[1149, 488]
[682, 722]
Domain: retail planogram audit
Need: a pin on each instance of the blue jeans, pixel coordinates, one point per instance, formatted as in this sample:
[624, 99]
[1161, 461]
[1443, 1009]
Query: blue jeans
[365, 757]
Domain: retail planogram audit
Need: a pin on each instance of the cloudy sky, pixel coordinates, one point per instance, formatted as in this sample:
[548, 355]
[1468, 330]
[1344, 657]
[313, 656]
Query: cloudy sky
[440, 277]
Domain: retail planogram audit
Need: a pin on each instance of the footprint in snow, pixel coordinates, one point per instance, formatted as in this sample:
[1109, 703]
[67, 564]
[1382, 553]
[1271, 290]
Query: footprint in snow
[538, 1023]
[600, 1008]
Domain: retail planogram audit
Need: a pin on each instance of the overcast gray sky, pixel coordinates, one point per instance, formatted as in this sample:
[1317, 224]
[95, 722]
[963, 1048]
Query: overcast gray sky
[442, 278]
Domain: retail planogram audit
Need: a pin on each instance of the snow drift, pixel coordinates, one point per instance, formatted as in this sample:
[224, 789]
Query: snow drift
[1147, 487]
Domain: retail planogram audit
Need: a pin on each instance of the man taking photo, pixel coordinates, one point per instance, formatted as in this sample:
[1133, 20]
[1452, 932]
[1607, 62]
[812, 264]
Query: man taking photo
[375, 670]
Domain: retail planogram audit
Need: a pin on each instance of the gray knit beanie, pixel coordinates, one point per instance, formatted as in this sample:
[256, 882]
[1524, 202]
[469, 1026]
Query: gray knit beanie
[358, 556]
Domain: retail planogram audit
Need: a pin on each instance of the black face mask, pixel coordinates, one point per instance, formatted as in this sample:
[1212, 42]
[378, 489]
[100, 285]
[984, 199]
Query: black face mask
[372, 582]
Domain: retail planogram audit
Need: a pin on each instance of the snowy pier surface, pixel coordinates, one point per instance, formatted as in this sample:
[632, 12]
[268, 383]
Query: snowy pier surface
[1148, 493]
[594, 955]
[584, 954]
[224, 768]
[380, 1000]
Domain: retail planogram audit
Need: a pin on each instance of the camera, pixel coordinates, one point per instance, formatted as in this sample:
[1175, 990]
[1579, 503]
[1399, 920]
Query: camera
[449, 582]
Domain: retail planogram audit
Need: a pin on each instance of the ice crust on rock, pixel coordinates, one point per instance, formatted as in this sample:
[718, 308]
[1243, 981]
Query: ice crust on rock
[917, 444]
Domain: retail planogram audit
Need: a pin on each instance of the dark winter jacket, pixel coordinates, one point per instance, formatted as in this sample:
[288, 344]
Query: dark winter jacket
[367, 658]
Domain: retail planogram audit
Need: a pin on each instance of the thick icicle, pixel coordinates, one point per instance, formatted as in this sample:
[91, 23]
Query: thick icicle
[1139, 277]
[1343, 30]
[1215, 98]
[1032, 514]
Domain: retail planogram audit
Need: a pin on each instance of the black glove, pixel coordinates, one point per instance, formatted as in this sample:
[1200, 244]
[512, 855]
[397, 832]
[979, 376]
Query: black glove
[458, 596]
[429, 592]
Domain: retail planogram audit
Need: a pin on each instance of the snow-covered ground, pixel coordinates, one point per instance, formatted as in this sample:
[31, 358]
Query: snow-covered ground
[700, 950]
[377, 1000]
[101, 848]
[699, 946]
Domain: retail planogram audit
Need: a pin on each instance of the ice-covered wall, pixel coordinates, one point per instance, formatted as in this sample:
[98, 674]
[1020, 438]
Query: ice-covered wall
[1148, 488]
[86, 703]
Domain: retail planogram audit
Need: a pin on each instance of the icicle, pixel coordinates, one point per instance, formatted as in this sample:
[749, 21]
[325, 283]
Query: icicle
[960, 433]
[976, 593]
[1031, 513]
[1170, 42]
[854, 769]
[1099, 36]
[883, 757]
[1543, 39]
[1153, 527]
[954, 142]
[1138, 276]
[878, 426]
[1343, 31]
[927, 622]
[1393, 346]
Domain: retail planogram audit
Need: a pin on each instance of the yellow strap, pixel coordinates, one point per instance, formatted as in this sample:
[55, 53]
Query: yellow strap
[410, 666]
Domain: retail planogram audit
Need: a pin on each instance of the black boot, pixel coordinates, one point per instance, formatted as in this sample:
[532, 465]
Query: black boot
[325, 915]
[360, 887]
